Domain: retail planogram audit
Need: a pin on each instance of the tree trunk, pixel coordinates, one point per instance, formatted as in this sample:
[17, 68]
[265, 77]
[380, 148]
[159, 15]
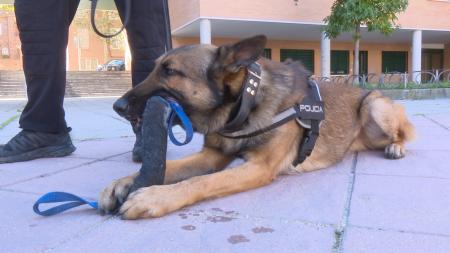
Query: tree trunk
[356, 56]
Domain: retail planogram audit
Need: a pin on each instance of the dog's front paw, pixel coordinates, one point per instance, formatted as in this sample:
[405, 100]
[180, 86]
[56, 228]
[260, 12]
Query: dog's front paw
[151, 202]
[394, 151]
[115, 194]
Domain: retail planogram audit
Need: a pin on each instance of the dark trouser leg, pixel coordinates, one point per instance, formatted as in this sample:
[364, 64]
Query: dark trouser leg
[43, 27]
[148, 37]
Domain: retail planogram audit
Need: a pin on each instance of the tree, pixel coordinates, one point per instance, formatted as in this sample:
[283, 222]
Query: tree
[349, 15]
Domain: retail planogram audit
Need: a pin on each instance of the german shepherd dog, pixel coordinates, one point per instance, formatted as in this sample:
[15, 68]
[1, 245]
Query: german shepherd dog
[207, 80]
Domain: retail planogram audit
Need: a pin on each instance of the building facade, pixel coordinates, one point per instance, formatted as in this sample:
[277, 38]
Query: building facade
[85, 50]
[294, 29]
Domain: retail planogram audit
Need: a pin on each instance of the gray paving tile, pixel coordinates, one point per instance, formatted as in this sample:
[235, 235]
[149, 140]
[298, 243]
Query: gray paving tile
[360, 240]
[102, 148]
[87, 180]
[409, 195]
[443, 119]
[401, 203]
[16, 172]
[420, 120]
[11, 105]
[417, 163]
[9, 131]
[23, 231]
[91, 125]
[315, 196]
[426, 106]
[203, 233]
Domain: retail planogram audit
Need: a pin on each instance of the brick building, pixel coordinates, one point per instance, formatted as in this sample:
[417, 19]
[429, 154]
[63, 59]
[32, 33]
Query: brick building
[293, 28]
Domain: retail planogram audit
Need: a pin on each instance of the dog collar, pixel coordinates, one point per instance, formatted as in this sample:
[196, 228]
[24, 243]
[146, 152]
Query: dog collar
[246, 101]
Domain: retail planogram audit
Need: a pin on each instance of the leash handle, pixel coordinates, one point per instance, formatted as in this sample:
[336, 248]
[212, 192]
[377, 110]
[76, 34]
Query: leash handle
[57, 197]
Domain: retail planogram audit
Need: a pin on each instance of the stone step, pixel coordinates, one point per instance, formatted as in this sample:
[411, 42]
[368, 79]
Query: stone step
[79, 84]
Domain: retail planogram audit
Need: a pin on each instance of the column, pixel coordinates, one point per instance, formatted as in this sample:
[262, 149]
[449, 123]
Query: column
[416, 50]
[205, 31]
[325, 56]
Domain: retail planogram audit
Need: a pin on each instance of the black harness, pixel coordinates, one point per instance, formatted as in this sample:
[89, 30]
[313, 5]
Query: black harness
[308, 113]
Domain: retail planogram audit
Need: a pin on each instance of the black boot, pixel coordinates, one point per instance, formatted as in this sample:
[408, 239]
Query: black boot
[29, 145]
[137, 149]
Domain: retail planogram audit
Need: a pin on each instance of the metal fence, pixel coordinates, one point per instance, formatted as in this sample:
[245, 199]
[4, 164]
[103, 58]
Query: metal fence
[416, 79]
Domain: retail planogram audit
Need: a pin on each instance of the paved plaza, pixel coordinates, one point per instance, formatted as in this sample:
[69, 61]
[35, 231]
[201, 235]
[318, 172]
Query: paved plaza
[363, 204]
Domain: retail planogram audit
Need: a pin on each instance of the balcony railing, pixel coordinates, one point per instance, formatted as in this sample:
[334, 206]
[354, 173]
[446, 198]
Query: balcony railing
[396, 80]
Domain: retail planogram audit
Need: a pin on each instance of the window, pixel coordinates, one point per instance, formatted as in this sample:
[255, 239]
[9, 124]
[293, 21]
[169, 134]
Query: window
[89, 64]
[394, 61]
[117, 42]
[5, 52]
[82, 38]
[305, 56]
[339, 62]
[432, 59]
[363, 62]
[267, 53]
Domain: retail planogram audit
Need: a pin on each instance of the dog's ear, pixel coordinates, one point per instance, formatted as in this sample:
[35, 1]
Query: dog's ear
[242, 53]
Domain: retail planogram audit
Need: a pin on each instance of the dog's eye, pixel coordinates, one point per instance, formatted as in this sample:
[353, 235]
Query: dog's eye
[170, 72]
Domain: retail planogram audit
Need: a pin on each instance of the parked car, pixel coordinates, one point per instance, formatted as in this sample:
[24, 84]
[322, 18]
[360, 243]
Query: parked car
[112, 65]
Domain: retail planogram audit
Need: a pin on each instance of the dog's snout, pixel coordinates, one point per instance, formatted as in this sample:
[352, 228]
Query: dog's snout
[121, 106]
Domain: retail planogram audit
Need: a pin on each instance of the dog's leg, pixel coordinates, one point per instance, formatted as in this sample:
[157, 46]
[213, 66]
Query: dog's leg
[262, 166]
[206, 161]
[156, 201]
[320, 158]
[197, 164]
[385, 125]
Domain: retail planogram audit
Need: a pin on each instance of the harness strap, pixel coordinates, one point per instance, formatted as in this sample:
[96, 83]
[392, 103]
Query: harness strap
[315, 114]
[246, 101]
[308, 142]
[279, 120]
[309, 113]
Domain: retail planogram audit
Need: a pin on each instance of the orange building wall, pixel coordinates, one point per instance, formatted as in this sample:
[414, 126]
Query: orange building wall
[10, 39]
[423, 14]
[374, 50]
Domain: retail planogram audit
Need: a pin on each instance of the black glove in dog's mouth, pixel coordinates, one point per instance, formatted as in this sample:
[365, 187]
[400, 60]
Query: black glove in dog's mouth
[131, 107]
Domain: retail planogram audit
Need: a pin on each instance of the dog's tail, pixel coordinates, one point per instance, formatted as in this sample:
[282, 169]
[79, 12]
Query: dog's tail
[406, 130]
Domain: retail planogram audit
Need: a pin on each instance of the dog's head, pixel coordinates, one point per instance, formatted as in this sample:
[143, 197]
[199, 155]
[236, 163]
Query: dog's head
[200, 77]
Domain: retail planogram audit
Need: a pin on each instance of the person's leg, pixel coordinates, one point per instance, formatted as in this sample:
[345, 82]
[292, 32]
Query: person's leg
[43, 29]
[148, 33]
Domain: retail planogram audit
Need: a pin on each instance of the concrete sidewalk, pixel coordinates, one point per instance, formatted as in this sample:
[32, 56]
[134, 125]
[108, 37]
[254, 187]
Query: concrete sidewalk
[363, 204]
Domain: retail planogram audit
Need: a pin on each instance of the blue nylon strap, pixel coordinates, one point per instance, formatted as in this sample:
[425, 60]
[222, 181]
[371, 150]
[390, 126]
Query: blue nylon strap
[177, 111]
[72, 200]
[56, 197]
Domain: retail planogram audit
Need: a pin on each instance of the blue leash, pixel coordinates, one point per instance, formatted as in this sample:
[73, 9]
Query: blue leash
[55, 197]
[177, 112]
[74, 201]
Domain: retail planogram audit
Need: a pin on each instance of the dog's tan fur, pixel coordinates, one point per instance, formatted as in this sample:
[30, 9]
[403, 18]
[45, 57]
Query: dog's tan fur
[207, 81]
